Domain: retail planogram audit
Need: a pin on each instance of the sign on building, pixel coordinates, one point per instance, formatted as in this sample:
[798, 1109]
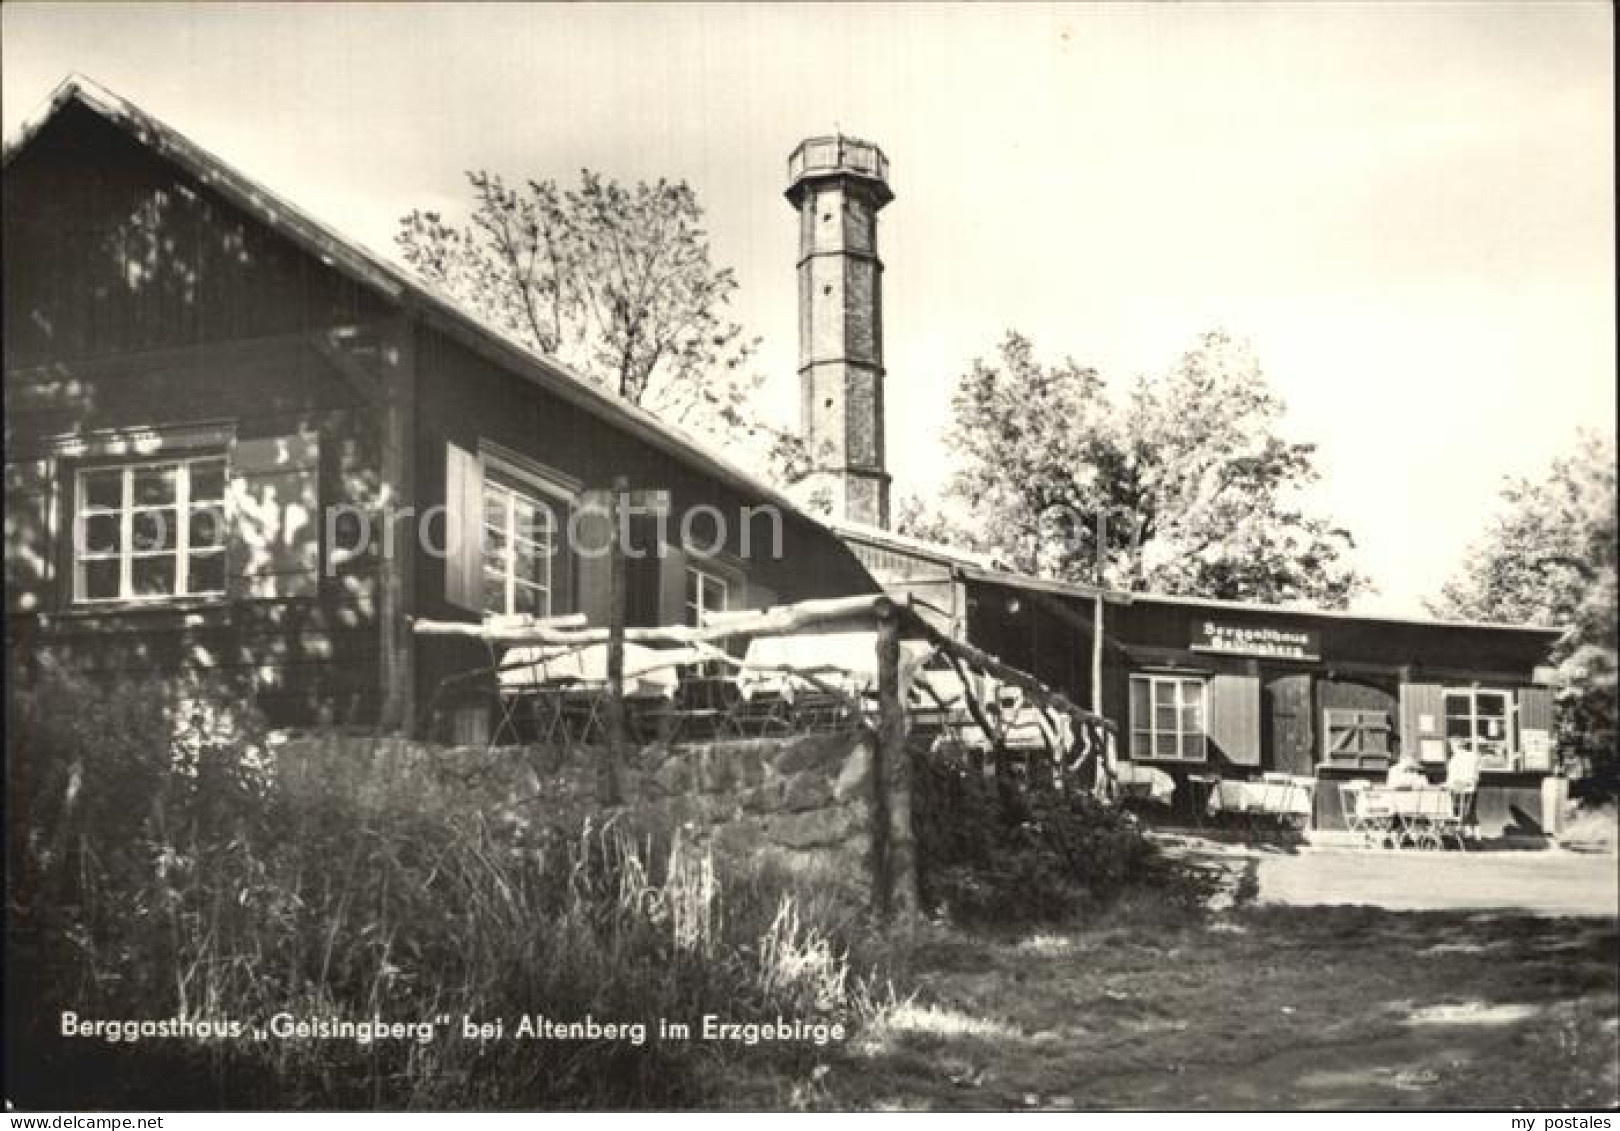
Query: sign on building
[1257, 640]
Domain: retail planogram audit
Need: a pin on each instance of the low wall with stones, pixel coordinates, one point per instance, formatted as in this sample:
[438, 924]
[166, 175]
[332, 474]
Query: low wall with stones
[823, 807]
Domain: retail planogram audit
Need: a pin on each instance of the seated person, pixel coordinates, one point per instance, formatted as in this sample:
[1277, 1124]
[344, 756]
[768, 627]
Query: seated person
[1462, 770]
[1406, 774]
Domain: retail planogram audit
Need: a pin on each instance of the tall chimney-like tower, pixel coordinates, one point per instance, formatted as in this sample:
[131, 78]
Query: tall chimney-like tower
[838, 184]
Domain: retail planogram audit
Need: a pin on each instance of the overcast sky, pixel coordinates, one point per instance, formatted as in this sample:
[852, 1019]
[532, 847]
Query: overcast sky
[1408, 209]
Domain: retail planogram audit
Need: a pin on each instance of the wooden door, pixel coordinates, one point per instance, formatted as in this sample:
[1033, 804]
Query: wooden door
[1288, 725]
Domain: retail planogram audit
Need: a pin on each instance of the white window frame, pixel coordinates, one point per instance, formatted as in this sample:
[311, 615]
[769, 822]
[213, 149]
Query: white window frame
[126, 554]
[1149, 728]
[694, 613]
[1509, 757]
[544, 501]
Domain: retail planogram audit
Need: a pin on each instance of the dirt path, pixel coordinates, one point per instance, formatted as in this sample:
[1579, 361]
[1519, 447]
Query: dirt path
[1268, 1007]
[1537, 883]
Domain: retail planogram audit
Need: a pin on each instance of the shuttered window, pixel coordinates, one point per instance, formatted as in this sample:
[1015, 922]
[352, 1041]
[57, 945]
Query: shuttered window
[506, 536]
[1168, 716]
[1352, 734]
[150, 531]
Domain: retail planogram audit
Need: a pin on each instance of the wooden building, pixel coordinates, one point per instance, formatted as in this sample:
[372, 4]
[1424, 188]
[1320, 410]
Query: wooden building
[1208, 689]
[237, 441]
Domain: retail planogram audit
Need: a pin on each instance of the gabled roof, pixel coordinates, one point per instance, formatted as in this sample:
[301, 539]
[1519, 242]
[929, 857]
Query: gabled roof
[388, 279]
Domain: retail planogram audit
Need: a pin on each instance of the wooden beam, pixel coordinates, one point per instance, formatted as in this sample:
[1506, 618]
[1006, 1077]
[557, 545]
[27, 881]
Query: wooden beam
[607, 792]
[970, 699]
[893, 842]
[1097, 659]
[1097, 614]
[780, 620]
[396, 574]
[1034, 688]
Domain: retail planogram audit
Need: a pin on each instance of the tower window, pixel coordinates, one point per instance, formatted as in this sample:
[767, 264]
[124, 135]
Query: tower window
[827, 290]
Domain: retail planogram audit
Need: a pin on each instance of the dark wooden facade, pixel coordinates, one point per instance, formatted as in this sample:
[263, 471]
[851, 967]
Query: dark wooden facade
[1277, 690]
[146, 315]
[1282, 713]
[468, 401]
[159, 306]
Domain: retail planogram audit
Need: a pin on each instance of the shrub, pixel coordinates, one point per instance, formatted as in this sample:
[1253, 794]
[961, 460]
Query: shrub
[998, 851]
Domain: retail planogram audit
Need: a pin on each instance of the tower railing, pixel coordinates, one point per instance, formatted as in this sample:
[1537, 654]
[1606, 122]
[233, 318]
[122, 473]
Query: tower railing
[837, 154]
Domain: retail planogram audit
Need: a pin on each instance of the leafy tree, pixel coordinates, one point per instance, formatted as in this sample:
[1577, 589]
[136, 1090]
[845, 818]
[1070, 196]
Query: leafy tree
[1201, 494]
[1548, 556]
[616, 282]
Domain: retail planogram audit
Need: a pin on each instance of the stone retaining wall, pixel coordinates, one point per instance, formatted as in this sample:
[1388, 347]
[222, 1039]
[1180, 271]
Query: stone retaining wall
[820, 806]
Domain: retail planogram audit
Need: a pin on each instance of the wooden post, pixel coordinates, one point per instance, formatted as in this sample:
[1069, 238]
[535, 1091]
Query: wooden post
[1097, 656]
[1097, 617]
[396, 595]
[893, 845]
[608, 784]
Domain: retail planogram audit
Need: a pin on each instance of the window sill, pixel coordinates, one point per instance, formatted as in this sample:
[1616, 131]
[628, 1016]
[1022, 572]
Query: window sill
[138, 615]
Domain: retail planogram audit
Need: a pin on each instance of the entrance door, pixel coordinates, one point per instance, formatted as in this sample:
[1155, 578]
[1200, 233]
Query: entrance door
[1288, 724]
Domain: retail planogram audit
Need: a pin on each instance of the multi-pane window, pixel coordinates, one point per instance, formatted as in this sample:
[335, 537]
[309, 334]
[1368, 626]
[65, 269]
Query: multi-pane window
[520, 546]
[1483, 719]
[149, 531]
[1168, 717]
[705, 593]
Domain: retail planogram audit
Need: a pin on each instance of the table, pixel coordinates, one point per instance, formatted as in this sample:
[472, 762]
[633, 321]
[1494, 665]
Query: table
[567, 686]
[1290, 798]
[1144, 782]
[846, 661]
[648, 672]
[1422, 817]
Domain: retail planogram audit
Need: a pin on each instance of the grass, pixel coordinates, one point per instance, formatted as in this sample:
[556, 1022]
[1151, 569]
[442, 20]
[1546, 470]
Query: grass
[1268, 1008]
[379, 886]
[374, 884]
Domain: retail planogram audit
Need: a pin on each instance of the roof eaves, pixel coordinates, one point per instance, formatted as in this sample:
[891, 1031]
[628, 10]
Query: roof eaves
[904, 543]
[1011, 580]
[1341, 614]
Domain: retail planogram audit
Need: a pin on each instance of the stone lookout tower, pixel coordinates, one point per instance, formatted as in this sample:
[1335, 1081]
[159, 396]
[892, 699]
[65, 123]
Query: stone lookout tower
[838, 184]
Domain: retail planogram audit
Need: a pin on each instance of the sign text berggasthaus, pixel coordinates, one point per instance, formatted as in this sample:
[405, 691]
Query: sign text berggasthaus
[1257, 640]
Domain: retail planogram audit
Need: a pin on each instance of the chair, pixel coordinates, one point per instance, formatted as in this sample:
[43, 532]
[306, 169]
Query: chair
[703, 704]
[1199, 788]
[761, 714]
[1457, 822]
[1366, 813]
